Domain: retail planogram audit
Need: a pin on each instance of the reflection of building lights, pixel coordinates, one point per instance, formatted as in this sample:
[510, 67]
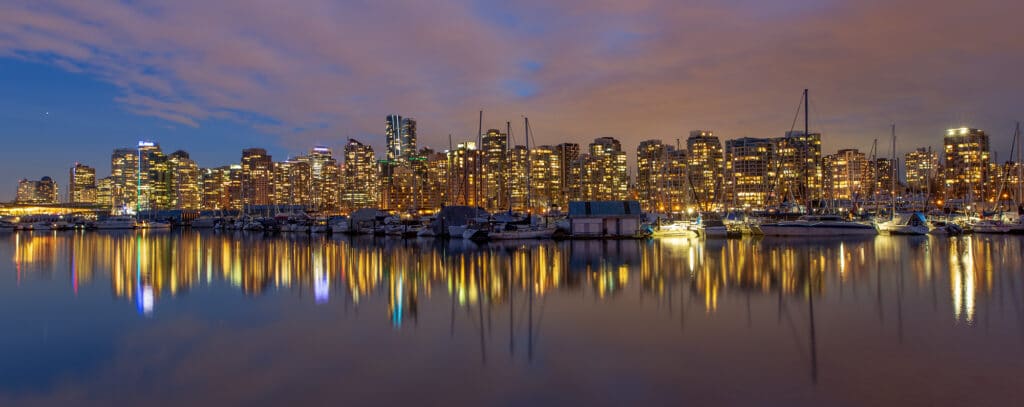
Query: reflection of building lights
[321, 289]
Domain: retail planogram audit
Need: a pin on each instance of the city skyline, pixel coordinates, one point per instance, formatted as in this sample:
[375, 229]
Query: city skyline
[634, 72]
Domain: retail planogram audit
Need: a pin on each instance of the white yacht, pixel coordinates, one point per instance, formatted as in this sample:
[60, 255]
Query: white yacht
[681, 228]
[818, 225]
[905, 224]
[116, 222]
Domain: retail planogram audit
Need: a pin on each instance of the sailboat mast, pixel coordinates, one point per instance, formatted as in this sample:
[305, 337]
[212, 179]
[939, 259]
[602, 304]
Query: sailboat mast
[1020, 169]
[508, 151]
[529, 206]
[479, 156]
[892, 187]
[807, 136]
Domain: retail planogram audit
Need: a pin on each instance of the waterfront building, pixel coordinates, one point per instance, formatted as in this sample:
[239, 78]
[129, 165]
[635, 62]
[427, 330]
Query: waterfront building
[82, 185]
[463, 185]
[257, 173]
[124, 167]
[518, 163]
[649, 164]
[435, 190]
[44, 191]
[881, 173]
[966, 155]
[154, 178]
[922, 166]
[184, 181]
[293, 183]
[222, 187]
[749, 170]
[799, 175]
[361, 177]
[704, 168]
[494, 162]
[566, 154]
[325, 178]
[105, 192]
[846, 175]
[545, 178]
[661, 177]
[601, 175]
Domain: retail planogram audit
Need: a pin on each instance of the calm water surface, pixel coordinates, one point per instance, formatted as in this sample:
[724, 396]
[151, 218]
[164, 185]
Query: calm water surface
[186, 318]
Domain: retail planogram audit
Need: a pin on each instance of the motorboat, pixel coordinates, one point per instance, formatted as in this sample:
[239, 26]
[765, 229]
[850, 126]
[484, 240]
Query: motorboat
[905, 224]
[340, 224]
[818, 225]
[204, 222]
[680, 228]
[509, 231]
[988, 226]
[153, 224]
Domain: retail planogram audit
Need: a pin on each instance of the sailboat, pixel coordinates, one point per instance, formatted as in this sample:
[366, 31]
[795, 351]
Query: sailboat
[905, 223]
[817, 225]
[527, 229]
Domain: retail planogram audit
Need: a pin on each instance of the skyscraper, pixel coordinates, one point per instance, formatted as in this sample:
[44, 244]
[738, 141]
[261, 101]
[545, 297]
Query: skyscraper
[185, 193]
[494, 161]
[649, 165]
[966, 154]
[82, 185]
[704, 168]
[293, 183]
[545, 178]
[362, 180]
[400, 134]
[124, 167]
[602, 174]
[567, 154]
[257, 173]
[325, 178]
[154, 183]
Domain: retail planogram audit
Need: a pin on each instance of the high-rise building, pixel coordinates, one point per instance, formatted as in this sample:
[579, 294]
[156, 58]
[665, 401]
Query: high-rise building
[494, 162]
[545, 178]
[880, 177]
[362, 180]
[222, 187]
[602, 174]
[185, 192]
[44, 191]
[124, 167]
[966, 154]
[749, 170]
[518, 182]
[463, 182]
[400, 133]
[325, 178]
[567, 154]
[846, 175]
[649, 169]
[293, 183]
[798, 168]
[922, 165]
[105, 192]
[154, 184]
[436, 190]
[257, 174]
[82, 185]
[704, 168]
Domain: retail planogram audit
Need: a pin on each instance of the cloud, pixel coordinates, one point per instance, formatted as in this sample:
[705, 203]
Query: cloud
[636, 70]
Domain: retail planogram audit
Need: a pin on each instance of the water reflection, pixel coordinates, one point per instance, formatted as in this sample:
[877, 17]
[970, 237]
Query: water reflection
[146, 267]
[768, 314]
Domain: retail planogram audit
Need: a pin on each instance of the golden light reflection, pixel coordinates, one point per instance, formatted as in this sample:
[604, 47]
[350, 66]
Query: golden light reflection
[143, 268]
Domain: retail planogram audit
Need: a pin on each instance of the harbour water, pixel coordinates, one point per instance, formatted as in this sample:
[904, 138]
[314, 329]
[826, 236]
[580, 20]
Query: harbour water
[204, 318]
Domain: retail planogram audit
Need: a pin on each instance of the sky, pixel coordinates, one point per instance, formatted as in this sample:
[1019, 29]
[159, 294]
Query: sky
[78, 79]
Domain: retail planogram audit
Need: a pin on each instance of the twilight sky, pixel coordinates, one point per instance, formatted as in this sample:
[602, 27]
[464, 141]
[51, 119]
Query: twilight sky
[78, 79]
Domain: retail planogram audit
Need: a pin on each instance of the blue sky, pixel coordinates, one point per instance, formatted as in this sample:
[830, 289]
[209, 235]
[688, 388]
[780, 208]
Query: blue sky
[78, 79]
